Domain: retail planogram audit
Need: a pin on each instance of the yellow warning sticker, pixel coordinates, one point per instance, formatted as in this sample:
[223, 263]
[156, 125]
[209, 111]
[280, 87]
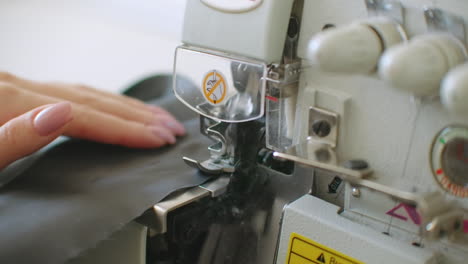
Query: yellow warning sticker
[305, 251]
[214, 87]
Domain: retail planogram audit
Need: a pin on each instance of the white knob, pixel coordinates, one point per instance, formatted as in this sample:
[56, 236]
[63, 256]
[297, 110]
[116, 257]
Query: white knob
[454, 90]
[355, 48]
[419, 67]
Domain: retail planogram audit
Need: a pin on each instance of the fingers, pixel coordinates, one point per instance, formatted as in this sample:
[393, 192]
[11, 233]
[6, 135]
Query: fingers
[120, 106]
[89, 123]
[31, 131]
[98, 126]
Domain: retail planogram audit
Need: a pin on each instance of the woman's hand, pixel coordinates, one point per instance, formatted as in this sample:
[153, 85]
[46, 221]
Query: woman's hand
[33, 114]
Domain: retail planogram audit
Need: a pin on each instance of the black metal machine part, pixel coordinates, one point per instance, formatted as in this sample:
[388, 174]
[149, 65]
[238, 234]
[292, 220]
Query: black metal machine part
[240, 226]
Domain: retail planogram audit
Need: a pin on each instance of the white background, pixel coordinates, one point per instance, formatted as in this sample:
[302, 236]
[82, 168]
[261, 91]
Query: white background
[104, 43]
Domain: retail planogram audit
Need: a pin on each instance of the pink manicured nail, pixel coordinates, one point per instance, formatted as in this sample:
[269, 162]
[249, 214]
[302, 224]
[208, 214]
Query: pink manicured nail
[51, 118]
[164, 134]
[175, 126]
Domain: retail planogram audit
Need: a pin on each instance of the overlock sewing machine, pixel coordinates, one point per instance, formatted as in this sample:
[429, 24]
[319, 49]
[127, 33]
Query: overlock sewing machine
[340, 132]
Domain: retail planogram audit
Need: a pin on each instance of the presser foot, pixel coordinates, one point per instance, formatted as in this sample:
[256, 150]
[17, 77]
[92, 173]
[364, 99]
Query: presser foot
[209, 166]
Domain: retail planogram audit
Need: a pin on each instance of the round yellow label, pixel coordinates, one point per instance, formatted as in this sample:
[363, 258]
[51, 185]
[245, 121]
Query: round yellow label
[214, 87]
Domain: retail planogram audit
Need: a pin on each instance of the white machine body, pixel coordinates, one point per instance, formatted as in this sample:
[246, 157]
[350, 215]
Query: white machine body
[393, 121]
[256, 31]
[347, 238]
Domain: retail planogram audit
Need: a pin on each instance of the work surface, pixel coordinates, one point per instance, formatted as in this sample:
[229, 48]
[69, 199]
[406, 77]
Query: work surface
[78, 193]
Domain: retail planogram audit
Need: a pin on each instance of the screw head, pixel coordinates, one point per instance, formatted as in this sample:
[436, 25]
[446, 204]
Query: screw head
[356, 192]
[321, 128]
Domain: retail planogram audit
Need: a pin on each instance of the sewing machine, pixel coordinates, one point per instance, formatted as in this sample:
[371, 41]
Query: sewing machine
[340, 134]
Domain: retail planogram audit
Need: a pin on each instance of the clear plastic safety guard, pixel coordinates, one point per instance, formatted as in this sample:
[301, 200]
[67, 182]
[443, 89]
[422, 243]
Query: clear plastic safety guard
[227, 88]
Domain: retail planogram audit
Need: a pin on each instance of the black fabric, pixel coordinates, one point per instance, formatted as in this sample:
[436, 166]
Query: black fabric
[78, 193]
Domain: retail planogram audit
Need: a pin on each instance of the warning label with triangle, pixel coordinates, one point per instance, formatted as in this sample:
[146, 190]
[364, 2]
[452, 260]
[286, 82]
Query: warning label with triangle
[303, 250]
[321, 258]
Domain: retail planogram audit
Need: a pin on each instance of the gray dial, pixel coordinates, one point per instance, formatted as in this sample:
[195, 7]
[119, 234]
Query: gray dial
[450, 160]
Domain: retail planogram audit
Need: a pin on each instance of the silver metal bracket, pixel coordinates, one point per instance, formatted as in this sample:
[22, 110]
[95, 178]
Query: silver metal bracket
[215, 130]
[162, 209]
[283, 80]
[438, 20]
[221, 153]
[387, 8]
[284, 74]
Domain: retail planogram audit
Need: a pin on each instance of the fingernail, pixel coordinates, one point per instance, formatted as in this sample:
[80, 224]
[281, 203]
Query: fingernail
[164, 134]
[51, 118]
[175, 126]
